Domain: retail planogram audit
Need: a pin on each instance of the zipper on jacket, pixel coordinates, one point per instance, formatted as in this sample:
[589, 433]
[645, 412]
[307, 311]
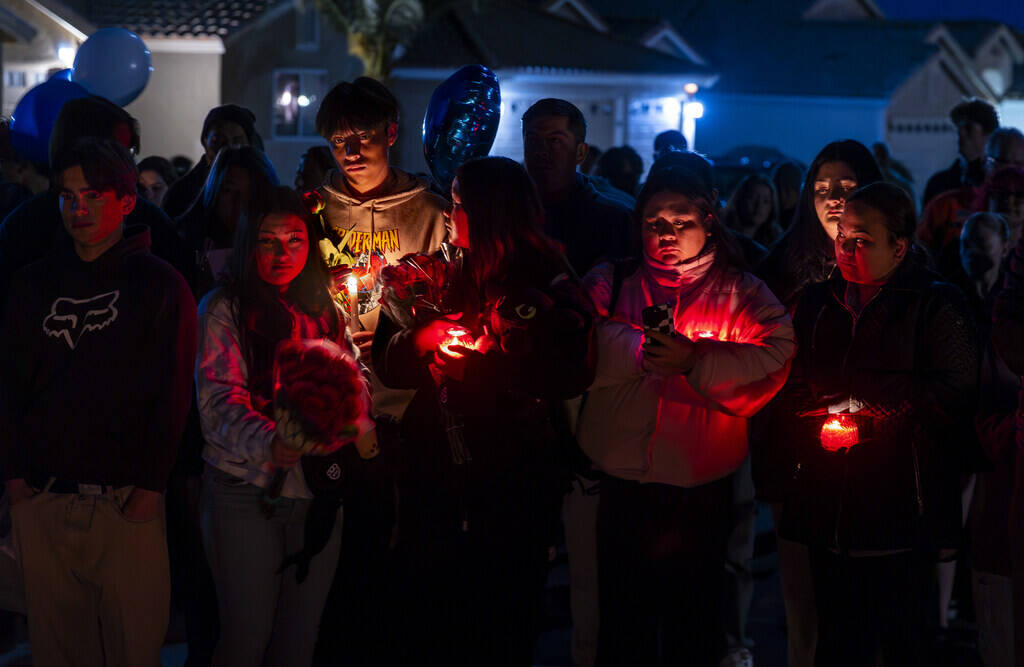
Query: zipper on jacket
[842, 373]
[917, 480]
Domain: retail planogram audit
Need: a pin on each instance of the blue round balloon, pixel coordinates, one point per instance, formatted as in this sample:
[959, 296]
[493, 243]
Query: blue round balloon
[461, 121]
[113, 63]
[35, 114]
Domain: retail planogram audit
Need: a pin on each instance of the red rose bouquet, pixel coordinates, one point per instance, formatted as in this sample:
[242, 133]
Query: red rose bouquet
[318, 396]
[414, 290]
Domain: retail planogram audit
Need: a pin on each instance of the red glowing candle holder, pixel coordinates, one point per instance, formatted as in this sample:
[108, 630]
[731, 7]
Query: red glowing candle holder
[455, 336]
[839, 432]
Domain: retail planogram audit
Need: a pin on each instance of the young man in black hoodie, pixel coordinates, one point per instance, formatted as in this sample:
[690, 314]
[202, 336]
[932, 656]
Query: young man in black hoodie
[96, 356]
[31, 230]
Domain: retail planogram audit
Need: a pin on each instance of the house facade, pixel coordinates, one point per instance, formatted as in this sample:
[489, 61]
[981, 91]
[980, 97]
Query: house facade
[796, 74]
[278, 58]
[790, 74]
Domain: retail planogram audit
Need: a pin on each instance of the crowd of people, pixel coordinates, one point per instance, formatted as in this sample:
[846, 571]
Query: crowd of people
[561, 351]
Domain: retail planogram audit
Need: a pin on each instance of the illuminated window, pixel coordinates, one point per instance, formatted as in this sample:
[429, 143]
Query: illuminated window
[297, 95]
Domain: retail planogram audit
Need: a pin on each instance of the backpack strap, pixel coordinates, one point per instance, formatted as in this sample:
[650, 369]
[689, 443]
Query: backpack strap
[620, 270]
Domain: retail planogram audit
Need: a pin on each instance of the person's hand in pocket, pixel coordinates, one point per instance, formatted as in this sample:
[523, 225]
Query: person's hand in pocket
[18, 490]
[142, 505]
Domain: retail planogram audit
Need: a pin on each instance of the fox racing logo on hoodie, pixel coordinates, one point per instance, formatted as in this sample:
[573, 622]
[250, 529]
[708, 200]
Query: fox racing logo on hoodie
[71, 318]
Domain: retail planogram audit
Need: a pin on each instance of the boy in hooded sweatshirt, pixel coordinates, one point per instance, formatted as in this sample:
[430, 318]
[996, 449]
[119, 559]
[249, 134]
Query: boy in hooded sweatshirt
[96, 355]
[373, 214]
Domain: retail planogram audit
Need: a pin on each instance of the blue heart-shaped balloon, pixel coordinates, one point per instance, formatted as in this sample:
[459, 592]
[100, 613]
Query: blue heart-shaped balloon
[461, 121]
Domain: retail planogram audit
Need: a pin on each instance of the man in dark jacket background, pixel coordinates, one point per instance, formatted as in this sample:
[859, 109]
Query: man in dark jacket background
[96, 356]
[590, 225]
[226, 126]
[975, 120]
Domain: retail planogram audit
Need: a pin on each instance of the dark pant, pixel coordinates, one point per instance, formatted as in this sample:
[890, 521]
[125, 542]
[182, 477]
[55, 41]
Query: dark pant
[869, 607]
[352, 626]
[191, 581]
[467, 601]
[1016, 528]
[661, 572]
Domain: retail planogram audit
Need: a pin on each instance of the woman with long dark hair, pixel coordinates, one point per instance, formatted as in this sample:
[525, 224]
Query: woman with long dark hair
[691, 346]
[277, 289]
[481, 479]
[236, 180]
[803, 255]
[874, 412]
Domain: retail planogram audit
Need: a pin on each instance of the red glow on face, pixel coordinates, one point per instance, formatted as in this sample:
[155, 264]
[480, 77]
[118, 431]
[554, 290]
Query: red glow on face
[839, 432]
[456, 336]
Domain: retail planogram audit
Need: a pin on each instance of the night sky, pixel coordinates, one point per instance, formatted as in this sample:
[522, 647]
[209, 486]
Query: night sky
[1007, 11]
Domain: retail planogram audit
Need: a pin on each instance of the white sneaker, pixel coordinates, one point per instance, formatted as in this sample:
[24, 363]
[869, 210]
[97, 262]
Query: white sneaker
[737, 657]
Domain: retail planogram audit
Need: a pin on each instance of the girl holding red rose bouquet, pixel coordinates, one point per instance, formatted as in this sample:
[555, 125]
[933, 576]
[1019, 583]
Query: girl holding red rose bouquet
[271, 386]
[481, 478]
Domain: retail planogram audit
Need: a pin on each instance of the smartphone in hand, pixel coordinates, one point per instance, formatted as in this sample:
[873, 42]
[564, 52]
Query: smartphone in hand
[657, 318]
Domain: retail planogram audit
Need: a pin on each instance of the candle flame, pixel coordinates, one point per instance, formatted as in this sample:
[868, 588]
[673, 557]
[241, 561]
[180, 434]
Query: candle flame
[456, 336]
[353, 285]
[705, 334]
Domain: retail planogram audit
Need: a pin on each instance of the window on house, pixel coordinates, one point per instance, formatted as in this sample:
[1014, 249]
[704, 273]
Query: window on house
[297, 95]
[307, 24]
[15, 79]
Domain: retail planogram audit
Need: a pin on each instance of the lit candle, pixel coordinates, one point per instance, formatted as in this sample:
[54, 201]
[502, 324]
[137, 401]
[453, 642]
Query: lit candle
[353, 301]
[839, 432]
[456, 336]
[705, 334]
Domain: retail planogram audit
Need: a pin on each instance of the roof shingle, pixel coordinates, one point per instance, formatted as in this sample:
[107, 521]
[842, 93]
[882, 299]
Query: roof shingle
[177, 18]
[516, 35]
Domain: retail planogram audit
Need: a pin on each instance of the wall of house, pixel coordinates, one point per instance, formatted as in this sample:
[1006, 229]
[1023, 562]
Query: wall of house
[797, 126]
[170, 111]
[413, 97]
[274, 44]
[1011, 113]
[918, 129]
[615, 114]
[994, 63]
[597, 103]
[34, 59]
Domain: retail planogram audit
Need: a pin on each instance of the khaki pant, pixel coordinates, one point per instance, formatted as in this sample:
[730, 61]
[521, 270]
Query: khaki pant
[97, 584]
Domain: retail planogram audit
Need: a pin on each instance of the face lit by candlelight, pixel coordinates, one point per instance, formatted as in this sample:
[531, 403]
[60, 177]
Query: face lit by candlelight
[456, 221]
[866, 252]
[833, 183]
[673, 229]
[281, 249]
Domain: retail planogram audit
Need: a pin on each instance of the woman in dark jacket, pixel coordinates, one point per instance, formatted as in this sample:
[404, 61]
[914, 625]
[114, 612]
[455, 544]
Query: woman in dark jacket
[1007, 338]
[802, 256]
[887, 361]
[480, 483]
